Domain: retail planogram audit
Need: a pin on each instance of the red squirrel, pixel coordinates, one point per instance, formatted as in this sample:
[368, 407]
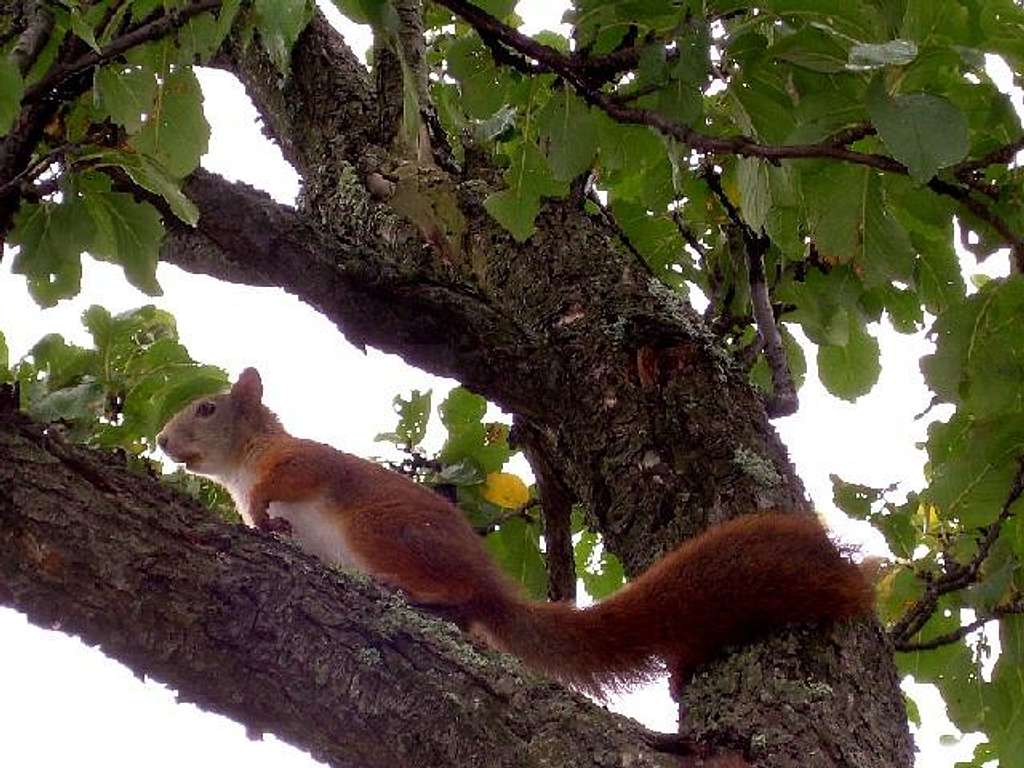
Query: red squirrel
[734, 581]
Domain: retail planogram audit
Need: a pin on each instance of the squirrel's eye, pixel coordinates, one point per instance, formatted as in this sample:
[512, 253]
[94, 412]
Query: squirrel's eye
[205, 409]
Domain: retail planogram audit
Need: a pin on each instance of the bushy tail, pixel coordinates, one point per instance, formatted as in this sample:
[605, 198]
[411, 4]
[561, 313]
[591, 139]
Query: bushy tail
[735, 581]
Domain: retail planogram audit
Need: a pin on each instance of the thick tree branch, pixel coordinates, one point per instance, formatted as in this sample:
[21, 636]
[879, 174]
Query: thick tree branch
[244, 236]
[248, 626]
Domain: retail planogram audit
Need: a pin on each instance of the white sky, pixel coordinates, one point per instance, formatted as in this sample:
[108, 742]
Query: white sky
[62, 703]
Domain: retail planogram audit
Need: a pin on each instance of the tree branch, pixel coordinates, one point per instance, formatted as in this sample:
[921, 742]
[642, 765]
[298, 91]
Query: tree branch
[247, 625]
[171, 20]
[956, 575]
[556, 505]
[35, 36]
[783, 400]
[1013, 607]
[998, 156]
[543, 58]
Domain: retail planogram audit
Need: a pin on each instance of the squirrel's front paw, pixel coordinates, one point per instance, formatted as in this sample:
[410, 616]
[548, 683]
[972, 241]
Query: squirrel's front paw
[276, 525]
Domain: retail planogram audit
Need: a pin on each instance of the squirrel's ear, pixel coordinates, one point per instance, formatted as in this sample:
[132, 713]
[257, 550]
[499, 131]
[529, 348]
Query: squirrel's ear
[248, 388]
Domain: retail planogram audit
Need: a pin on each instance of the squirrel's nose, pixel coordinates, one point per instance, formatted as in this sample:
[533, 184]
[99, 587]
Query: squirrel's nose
[161, 440]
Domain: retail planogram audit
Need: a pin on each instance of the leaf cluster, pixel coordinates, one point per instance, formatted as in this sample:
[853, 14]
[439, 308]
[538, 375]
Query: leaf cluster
[966, 518]
[130, 118]
[468, 469]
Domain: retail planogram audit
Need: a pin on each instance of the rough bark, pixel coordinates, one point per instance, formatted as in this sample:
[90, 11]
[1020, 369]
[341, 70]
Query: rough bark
[248, 625]
[631, 402]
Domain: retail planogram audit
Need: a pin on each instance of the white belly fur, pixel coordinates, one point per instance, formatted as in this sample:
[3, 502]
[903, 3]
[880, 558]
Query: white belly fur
[311, 523]
[316, 531]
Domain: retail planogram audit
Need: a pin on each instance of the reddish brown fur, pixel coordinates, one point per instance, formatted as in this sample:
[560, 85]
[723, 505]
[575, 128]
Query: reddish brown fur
[733, 582]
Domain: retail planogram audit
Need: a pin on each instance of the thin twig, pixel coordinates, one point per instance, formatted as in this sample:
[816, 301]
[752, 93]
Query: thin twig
[784, 400]
[956, 575]
[154, 30]
[515, 49]
[999, 155]
[985, 214]
[846, 136]
[1014, 607]
[37, 168]
[688, 234]
[522, 511]
[556, 509]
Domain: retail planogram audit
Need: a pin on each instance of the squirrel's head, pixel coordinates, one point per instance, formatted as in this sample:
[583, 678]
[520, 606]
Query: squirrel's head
[209, 436]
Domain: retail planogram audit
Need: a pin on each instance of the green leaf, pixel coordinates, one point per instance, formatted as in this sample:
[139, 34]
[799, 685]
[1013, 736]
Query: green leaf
[204, 34]
[825, 303]
[904, 308]
[922, 131]
[62, 364]
[516, 548]
[854, 499]
[176, 133]
[370, 12]
[934, 22]
[465, 472]
[77, 403]
[656, 238]
[119, 339]
[498, 126]
[461, 408]
[12, 88]
[82, 28]
[124, 93]
[150, 176]
[497, 8]
[913, 713]
[527, 179]
[484, 88]
[52, 237]
[755, 191]
[413, 415]
[937, 273]
[850, 370]
[1005, 696]
[812, 48]
[972, 464]
[468, 437]
[894, 53]
[569, 130]
[602, 575]
[979, 354]
[850, 221]
[128, 233]
[279, 23]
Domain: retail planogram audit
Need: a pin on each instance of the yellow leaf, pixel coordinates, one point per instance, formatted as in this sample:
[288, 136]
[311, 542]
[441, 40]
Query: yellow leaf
[505, 490]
